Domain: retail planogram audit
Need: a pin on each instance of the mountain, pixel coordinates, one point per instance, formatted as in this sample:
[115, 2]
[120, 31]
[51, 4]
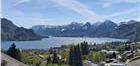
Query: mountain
[129, 30]
[39, 29]
[126, 30]
[77, 29]
[103, 29]
[11, 32]
[73, 29]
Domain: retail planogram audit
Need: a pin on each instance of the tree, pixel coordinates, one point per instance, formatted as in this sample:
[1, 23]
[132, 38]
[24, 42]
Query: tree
[85, 48]
[49, 60]
[99, 56]
[71, 56]
[75, 56]
[55, 58]
[14, 52]
[114, 55]
[78, 56]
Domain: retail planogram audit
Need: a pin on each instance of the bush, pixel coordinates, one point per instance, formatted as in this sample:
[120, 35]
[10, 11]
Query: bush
[99, 56]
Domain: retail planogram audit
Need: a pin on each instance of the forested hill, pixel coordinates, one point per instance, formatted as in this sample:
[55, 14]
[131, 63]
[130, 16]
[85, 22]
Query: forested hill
[11, 32]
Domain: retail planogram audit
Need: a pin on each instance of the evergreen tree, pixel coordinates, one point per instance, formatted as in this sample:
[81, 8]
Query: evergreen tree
[114, 55]
[85, 48]
[75, 58]
[78, 56]
[14, 52]
[71, 57]
[55, 58]
[49, 60]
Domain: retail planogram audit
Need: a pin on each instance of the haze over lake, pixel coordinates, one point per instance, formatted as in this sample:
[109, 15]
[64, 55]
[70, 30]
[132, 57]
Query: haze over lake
[47, 43]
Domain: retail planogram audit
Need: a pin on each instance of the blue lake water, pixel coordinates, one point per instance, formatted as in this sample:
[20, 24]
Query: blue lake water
[56, 42]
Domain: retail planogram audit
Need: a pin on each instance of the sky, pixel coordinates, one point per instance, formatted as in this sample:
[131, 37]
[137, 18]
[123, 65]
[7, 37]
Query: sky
[27, 13]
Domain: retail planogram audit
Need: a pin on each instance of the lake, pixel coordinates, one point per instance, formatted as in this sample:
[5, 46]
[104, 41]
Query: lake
[55, 42]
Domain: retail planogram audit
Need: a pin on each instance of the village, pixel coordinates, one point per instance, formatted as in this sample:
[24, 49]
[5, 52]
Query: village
[108, 54]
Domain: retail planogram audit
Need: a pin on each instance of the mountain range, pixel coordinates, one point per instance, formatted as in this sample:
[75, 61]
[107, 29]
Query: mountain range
[11, 32]
[125, 30]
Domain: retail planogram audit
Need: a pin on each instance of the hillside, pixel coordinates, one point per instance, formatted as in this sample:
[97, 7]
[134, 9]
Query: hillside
[11, 32]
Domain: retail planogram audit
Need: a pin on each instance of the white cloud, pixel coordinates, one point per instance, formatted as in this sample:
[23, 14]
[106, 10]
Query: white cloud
[82, 9]
[0, 9]
[79, 8]
[138, 19]
[21, 1]
[130, 14]
[117, 14]
[85, 11]
[122, 1]
[106, 5]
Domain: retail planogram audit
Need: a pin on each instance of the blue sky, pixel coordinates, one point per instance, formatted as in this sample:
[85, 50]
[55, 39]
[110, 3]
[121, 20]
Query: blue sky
[27, 13]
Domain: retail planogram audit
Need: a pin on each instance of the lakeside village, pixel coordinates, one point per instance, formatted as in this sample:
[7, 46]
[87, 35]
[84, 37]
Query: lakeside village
[82, 54]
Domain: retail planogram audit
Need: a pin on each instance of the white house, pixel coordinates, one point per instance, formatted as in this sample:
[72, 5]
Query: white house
[115, 64]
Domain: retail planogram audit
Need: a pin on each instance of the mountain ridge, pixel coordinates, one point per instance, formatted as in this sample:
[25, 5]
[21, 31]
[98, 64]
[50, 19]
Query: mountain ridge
[102, 29]
[126, 30]
[11, 32]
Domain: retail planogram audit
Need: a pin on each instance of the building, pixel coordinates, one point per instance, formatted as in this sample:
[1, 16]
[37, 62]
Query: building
[89, 63]
[115, 64]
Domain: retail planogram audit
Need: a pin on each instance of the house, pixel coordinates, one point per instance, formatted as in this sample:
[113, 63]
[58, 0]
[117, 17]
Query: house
[112, 60]
[115, 64]
[89, 63]
[112, 54]
[128, 54]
